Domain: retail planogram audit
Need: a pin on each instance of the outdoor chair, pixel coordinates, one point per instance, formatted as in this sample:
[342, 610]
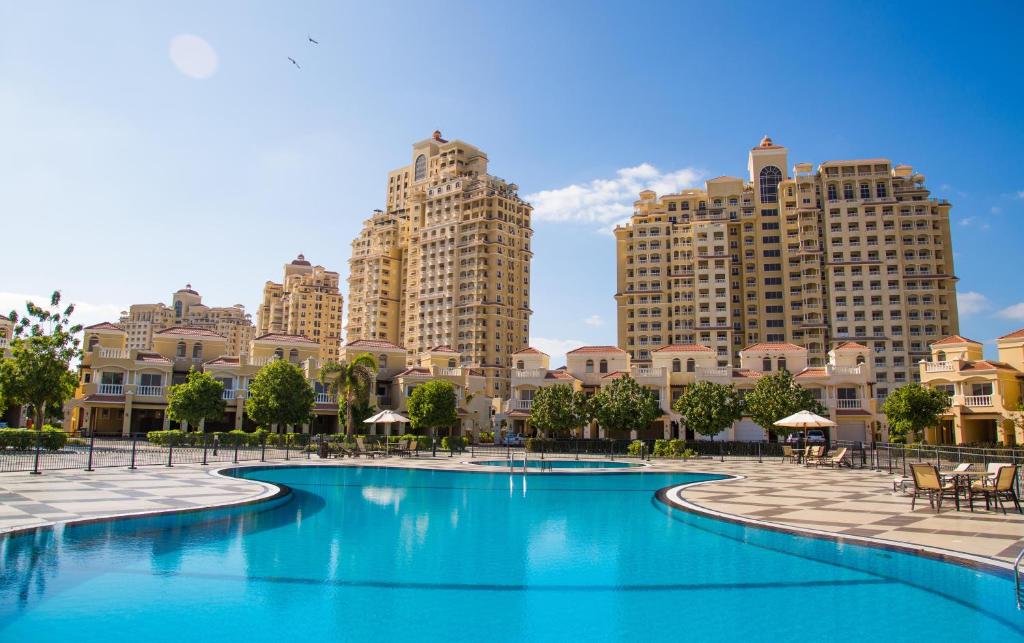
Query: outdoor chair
[414, 447]
[362, 450]
[993, 468]
[400, 447]
[814, 454]
[787, 452]
[1000, 487]
[834, 460]
[928, 482]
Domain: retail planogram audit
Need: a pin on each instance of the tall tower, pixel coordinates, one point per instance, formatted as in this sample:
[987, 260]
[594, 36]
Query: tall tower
[447, 262]
[307, 303]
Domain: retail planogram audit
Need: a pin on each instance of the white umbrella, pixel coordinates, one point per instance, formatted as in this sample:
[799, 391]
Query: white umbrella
[386, 417]
[804, 420]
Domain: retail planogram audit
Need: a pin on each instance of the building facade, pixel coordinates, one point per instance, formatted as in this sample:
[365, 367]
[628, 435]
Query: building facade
[844, 384]
[854, 250]
[985, 394]
[306, 303]
[447, 263]
[141, 321]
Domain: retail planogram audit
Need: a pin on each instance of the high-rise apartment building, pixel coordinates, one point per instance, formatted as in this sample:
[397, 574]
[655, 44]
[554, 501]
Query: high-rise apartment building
[447, 262]
[306, 303]
[851, 250]
[141, 321]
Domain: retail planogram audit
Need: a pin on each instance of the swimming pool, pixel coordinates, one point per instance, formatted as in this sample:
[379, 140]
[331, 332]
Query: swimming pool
[361, 553]
[558, 464]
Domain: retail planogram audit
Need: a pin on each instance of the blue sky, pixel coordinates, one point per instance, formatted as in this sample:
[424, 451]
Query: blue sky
[124, 175]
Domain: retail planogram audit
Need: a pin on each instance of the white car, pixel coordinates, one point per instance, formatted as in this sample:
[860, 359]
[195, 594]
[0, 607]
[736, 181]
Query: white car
[514, 440]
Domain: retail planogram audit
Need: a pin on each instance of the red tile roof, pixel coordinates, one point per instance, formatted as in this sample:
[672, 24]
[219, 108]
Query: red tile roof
[954, 339]
[225, 360]
[151, 357]
[987, 365]
[684, 348]
[285, 338]
[614, 375]
[373, 343]
[443, 348]
[747, 373]
[812, 372]
[103, 326]
[414, 370]
[189, 331]
[529, 350]
[558, 375]
[1017, 334]
[851, 346]
[597, 349]
[773, 346]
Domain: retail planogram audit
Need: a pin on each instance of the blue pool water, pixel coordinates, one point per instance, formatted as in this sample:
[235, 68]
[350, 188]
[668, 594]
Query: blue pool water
[391, 554]
[559, 464]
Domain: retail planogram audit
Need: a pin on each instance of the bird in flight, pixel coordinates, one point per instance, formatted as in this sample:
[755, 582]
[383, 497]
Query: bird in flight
[294, 63]
[311, 40]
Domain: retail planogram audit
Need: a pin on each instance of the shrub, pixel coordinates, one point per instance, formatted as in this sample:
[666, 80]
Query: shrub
[636, 447]
[53, 438]
[537, 445]
[454, 443]
[485, 437]
[672, 449]
[19, 439]
[423, 440]
[174, 437]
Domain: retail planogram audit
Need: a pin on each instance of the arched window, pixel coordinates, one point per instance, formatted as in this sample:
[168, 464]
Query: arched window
[677, 366]
[691, 365]
[832, 193]
[865, 191]
[766, 364]
[293, 356]
[181, 349]
[520, 365]
[421, 168]
[382, 361]
[451, 363]
[197, 350]
[940, 356]
[177, 308]
[590, 366]
[848, 191]
[603, 367]
[782, 363]
[92, 342]
[278, 353]
[860, 359]
[771, 176]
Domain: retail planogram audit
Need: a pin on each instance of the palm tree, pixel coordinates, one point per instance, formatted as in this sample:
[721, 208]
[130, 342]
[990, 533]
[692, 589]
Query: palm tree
[350, 381]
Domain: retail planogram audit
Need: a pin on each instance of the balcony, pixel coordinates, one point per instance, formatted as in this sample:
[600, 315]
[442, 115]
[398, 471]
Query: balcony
[448, 372]
[528, 373]
[149, 391]
[939, 367]
[114, 353]
[111, 389]
[648, 371]
[842, 370]
[714, 371]
[326, 398]
[848, 404]
[978, 400]
[519, 405]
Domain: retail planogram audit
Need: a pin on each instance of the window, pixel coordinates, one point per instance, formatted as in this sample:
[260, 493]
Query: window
[93, 341]
[177, 308]
[451, 363]
[847, 191]
[865, 191]
[691, 365]
[421, 168]
[293, 356]
[520, 365]
[278, 353]
[766, 364]
[782, 363]
[181, 349]
[150, 379]
[677, 366]
[590, 366]
[833, 195]
[382, 361]
[770, 178]
[604, 366]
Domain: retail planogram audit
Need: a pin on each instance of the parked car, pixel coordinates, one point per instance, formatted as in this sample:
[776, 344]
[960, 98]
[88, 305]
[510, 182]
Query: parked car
[814, 436]
[514, 440]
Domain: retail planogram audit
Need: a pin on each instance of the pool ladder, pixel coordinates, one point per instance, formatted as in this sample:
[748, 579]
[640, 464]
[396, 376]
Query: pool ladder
[512, 462]
[1016, 579]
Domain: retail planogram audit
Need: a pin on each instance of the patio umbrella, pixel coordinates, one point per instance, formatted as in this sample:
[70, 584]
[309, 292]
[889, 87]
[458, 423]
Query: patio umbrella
[386, 417]
[805, 420]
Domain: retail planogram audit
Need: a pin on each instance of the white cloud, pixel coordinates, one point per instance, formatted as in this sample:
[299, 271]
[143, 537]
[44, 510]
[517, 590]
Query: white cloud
[966, 221]
[1020, 195]
[85, 313]
[556, 348]
[971, 303]
[193, 56]
[594, 320]
[1015, 312]
[996, 210]
[608, 201]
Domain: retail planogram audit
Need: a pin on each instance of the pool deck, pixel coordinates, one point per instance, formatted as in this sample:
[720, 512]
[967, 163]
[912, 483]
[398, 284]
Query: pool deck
[842, 502]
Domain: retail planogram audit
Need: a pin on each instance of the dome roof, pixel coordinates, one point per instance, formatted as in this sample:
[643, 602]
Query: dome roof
[300, 261]
[766, 141]
[188, 289]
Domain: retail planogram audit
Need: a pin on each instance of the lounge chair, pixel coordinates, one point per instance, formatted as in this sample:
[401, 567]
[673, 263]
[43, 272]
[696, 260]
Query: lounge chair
[928, 482]
[834, 460]
[999, 488]
[399, 447]
[362, 450]
[787, 452]
[414, 447]
[814, 454]
[993, 468]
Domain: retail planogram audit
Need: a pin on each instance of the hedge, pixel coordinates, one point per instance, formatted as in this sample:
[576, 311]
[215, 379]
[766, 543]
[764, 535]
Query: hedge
[50, 438]
[453, 443]
[672, 449]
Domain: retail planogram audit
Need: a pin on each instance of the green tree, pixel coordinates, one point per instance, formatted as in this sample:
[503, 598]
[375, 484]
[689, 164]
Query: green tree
[709, 408]
[280, 394]
[911, 409]
[432, 405]
[624, 405]
[777, 396]
[557, 409]
[352, 382]
[200, 397]
[38, 371]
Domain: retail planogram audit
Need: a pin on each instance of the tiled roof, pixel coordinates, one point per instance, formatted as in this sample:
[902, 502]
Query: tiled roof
[104, 398]
[1017, 334]
[614, 375]
[189, 331]
[373, 343]
[414, 370]
[597, 349]
[519, 414]
[684, 348]
[444, 348]
[987, 365]
[285, 338]
[812, 372]
[773, 346]
[954, 339]
[558, 375]
[225, 360]
[151, 357]
[850, 346]
[747, 373]
[103, 326]
[477, 372]
[529, 350]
